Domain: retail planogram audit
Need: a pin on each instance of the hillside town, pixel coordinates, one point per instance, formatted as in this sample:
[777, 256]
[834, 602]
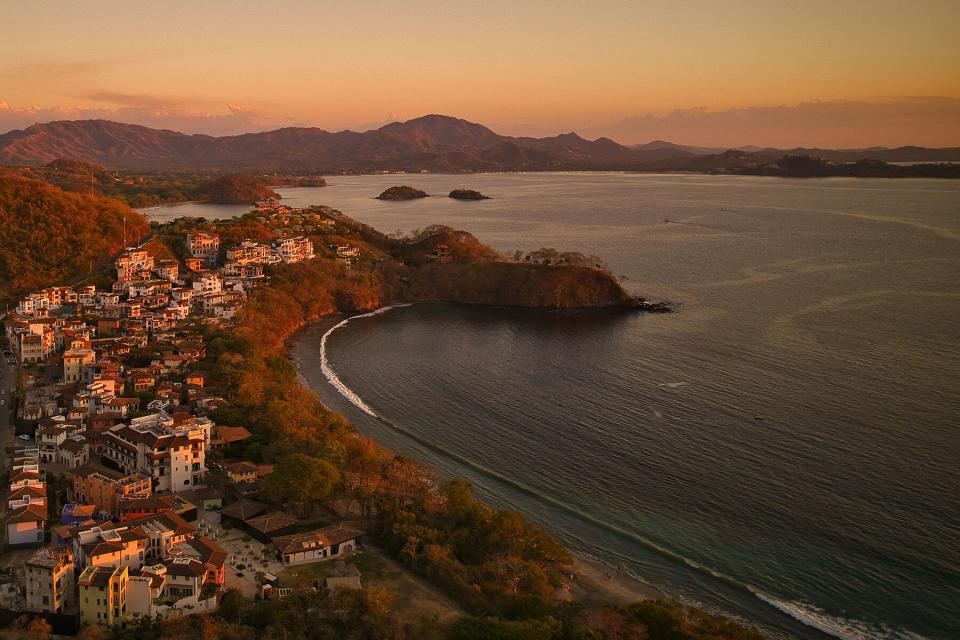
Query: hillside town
[123, 499]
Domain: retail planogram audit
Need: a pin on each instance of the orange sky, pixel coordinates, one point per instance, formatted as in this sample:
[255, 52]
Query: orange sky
[837, 73]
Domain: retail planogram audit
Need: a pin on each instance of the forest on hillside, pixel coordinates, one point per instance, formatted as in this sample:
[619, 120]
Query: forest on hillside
[49, 236]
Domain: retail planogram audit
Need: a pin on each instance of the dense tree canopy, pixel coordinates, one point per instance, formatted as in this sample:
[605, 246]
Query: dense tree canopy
[48, 236]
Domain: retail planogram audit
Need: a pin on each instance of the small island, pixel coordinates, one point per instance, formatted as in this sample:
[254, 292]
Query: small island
[402, 193]
[467, 194]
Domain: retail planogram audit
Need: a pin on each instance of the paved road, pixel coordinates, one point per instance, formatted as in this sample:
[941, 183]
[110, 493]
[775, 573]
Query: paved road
[8, 384]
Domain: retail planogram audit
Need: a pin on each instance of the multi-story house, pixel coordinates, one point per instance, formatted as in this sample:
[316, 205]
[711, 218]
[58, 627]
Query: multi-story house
[208, 282]
[248, 251]
[25, 525]
[167, 270]
[76, 359]
[133, 265]
[146, 288]
[102, 546]
[169, 449]
[27, 501]
[73, 452]
[204, 245]
[87, 295]
[109, 490]
[102, 595]
[50, 584]
[242, 270]
[294, 249]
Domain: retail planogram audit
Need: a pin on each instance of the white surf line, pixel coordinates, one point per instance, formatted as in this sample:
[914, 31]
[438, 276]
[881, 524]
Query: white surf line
[331, 375]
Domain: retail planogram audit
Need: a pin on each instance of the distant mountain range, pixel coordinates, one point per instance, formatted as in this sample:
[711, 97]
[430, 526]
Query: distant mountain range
[433, 143]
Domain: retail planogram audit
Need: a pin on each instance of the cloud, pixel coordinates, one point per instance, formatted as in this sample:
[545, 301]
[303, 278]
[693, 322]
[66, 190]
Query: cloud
[151, 111]
[921, 120]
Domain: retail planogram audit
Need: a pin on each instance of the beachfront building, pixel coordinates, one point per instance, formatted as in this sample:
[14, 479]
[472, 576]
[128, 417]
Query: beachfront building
[50, 581]
[322, 544]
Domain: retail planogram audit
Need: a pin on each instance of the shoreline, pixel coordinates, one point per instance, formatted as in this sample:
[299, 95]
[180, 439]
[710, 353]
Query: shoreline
[594, 583]
[589, 580]
[171, 204]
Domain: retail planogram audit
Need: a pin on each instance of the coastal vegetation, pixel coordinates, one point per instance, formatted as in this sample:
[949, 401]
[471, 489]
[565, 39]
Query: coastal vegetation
[146, 189]
[402, 193]
[234, 189]
[810, 166]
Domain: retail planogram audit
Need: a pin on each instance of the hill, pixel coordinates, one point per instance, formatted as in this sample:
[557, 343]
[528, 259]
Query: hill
[48, 235]
[234, 190]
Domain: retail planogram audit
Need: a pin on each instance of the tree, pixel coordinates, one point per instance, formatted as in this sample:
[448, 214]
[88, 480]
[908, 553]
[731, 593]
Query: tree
[410, 550]
[301, 479]
[91, 632]
[39, 628]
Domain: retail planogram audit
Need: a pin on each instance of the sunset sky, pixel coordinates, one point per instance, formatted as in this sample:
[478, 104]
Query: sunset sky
[834, 73]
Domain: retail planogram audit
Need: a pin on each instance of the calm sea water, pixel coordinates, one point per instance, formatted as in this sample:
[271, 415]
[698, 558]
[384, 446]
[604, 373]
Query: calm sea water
[784, 448]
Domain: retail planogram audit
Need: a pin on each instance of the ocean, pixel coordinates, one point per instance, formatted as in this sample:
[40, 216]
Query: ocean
[784, 448]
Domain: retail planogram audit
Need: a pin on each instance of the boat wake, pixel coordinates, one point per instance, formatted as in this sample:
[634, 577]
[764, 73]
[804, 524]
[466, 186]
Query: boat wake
[807, 614]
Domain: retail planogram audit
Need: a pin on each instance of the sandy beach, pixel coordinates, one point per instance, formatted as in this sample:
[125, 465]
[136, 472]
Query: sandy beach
[596, 583]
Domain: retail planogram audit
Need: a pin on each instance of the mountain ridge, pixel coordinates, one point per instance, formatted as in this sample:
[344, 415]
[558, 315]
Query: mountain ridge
[432, 142]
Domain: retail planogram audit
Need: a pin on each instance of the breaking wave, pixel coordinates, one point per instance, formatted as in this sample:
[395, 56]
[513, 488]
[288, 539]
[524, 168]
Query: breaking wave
[331, 375]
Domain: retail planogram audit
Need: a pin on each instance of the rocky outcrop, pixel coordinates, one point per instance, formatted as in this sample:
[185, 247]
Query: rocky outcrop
[402, 193]
[467, 194]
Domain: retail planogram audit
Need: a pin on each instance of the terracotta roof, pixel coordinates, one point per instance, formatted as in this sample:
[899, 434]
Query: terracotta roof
[243, 509]
[186, 567]
[168, 519]
[153, 502]
[229, 435]
[244, 466]
[33, 492]
[83, 510]
[321, 538]
[29, 513]
[25, 475]
[74, 445]
[102, 547]
[130, 535]
[210, 552]
[273, 521]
